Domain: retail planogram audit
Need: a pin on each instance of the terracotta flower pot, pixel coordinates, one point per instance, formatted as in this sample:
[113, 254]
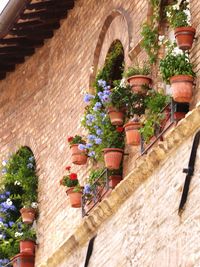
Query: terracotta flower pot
[113, 157]
[23, 260]
[27, 246]
[28, 215]
[114, 180]
[132, 133]
[182, 88]
[139, 82]
[116, 116]
[184, 37]
[74, 197]
[78, 157]
[179, 116]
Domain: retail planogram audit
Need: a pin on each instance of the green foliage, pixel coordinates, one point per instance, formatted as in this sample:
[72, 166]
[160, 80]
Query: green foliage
[113, 67]
[178, 15]
[155, 102]
[21, 174]
[150, 41]
[175, 64]
[138, 70]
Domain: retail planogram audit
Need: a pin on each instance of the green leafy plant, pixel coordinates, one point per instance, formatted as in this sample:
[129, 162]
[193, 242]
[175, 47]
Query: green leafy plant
[138, 70]
[155, 102]
[178, 15]
[176, 62]
[20, 172]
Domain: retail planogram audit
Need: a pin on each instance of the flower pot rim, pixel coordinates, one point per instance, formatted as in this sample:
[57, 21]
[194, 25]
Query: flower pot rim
[114, 109]
[23, 254]
[180, 77]
[110, 149]
[70, 190]
[30, 209]
[184, 28]
[130, 123]
[140, 76]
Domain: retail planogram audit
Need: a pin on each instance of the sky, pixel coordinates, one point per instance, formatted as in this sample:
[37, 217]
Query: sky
[3, 3]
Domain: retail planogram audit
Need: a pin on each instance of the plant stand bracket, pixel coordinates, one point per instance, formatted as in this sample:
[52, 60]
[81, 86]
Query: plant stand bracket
[189, 171]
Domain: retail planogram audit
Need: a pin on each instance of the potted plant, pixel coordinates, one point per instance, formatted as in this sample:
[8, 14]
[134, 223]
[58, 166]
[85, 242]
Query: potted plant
[78, 150]
[177, 70]
[74, 190]
[20, 178]
[120, 98]
[178, 16]
[138, 78]
[115, 177]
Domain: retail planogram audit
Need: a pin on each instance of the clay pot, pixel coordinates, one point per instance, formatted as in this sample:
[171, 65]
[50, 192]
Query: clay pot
[23, 260]
[28, 215]
[116, 116]
[184, 37]
[78, 157]
[139, 82]
[27, 246]
[132, 133]
[182, 88]
[113, 157]
[74, 197]
[179, 116]
[114, 180]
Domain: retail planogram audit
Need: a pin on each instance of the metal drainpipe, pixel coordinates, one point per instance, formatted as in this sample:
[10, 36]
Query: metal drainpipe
[10, 14]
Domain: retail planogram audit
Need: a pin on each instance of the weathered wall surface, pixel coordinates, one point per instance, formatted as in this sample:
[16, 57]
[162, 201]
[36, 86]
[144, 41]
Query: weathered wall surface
[41, 104]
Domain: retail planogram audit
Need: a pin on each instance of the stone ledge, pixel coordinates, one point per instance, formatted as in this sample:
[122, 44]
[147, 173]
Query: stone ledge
[144, 167]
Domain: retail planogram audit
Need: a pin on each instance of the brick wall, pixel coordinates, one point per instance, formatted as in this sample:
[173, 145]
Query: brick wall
[41, 104]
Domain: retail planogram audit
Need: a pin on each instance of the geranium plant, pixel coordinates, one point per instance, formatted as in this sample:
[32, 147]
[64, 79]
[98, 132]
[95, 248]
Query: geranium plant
[77, 139]
[69, 180]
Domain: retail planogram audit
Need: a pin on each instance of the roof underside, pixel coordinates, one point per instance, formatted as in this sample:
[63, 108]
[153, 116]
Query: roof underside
[36, 23]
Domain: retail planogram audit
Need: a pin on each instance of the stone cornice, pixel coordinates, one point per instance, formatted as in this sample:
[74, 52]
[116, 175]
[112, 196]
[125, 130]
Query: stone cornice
[144, 167]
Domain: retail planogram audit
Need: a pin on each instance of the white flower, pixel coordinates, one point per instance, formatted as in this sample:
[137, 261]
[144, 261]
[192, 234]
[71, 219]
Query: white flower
[176, 51]
[1, 236]
[9, 202]
[168, 14]
[161, 38]
[17, 183]
[1, 224]
[4, 162]
[123, 82]
[17, 234]
[175, 7]
[34, 205]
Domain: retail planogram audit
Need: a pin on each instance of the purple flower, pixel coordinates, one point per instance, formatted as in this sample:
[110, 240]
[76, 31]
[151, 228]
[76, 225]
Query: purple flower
[97, 106]
[7, 193]
[102, 114]
[87, 189]
[106, 98]
[88, 145]
[90, 118]
[4, 171]
[99, 131]
[91, 137]
[100, 95]
[87, 98]
[98, 141]
[31, 159]
[101, 83]
[91, 154]
[10, 223]
[81, 147]
[29, 165]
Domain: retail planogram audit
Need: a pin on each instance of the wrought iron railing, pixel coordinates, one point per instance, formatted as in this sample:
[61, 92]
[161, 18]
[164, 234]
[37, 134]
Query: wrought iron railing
[99, 189]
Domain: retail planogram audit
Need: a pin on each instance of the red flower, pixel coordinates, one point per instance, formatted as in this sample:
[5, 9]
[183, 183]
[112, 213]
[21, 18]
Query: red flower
[70, 139]
[61, 182]
[73, 176]
[120, 129]
[67, 168]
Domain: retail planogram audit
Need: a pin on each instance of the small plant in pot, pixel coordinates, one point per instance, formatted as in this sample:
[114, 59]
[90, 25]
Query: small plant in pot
[120, 98]
[74, 190]
[138, 78]
[177, 70]
[178, 16]
[78, 150]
